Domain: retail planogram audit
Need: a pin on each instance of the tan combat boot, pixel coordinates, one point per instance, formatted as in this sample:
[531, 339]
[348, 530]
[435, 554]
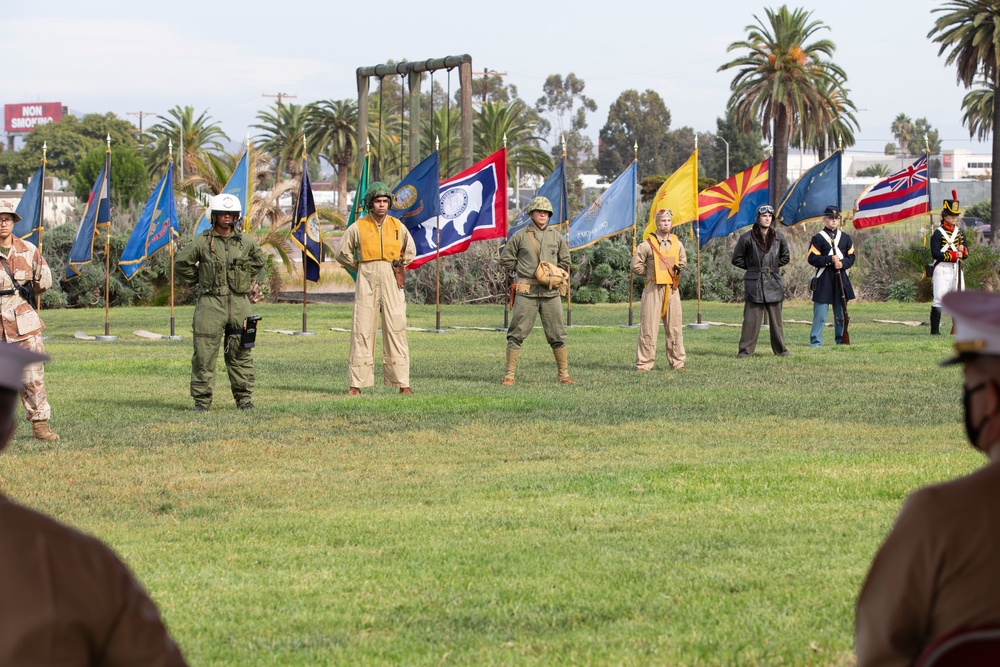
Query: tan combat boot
[40, 431]
[512, 355]
[562, 364]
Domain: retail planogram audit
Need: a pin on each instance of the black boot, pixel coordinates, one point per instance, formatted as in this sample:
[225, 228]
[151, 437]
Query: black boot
[935, 321]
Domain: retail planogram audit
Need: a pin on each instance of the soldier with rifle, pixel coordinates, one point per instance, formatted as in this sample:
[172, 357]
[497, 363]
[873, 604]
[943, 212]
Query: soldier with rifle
[831, 252]
[948, 250]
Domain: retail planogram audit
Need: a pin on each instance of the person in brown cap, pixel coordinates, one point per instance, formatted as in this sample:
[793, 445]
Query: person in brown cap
[65, 597]
[23, 275]
[936, 573]
[948, 250]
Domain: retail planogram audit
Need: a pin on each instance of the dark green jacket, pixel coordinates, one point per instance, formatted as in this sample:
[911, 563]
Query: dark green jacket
[221, 266]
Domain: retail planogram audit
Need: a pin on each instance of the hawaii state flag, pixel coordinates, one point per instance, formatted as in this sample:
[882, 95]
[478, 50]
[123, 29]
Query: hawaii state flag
[156, 227]
[731, 204]
[903, 195]
[98, 214]
[473, 208]
[305, 229]
[31, 210]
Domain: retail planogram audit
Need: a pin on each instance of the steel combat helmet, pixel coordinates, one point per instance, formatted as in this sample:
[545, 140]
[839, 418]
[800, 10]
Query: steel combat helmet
[541, 204]
[377, 189]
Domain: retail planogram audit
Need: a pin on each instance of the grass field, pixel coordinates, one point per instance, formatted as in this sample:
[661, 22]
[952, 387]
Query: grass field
[725, 515]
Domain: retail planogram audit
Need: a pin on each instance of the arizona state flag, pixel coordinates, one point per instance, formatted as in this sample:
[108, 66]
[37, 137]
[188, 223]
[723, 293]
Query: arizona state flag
[306, 231]
[731, 204]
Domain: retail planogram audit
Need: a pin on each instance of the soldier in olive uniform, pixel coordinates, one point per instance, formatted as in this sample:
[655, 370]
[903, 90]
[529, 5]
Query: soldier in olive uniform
[223, 264]
[521, 255]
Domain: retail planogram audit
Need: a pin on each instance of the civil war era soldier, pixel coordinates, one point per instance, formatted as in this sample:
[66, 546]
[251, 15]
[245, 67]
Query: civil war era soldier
[223, 264]
[660, 258]
[761, 252]
[537, 246]
[948, 250]
[377, 247]
[65, 597]
[831, 252]
[23, 275]
[936, 573]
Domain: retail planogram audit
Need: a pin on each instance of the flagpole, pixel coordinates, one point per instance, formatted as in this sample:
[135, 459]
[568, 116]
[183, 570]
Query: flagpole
[304, 288]
[437, 254]
[564, 206]
[635, 158]
[249, 183]
[930, 204]
[170, 167]
[41, 215]
[697, 235]
[107, 337]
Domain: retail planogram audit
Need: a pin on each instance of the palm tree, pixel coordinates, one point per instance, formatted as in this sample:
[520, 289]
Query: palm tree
[331, 131]
[281, 129]
[969, 30]
[978, 107]
[902, 131]
[781, 79]
[496, 124]
[195, 136]
[831, 125]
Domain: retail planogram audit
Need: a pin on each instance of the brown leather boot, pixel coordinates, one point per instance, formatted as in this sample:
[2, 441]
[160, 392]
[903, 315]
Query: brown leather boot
[508, 376]
[562, 365]
[40, 431]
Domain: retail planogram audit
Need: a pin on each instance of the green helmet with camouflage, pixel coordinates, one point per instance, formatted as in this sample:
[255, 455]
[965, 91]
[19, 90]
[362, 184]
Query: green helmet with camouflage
[377, 189]
[541, 204]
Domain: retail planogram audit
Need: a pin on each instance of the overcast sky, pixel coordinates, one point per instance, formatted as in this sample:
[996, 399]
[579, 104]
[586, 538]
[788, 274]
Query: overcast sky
[131, 56]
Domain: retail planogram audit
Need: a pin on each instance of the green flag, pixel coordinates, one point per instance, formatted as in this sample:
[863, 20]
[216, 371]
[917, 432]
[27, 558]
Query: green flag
[358, 210]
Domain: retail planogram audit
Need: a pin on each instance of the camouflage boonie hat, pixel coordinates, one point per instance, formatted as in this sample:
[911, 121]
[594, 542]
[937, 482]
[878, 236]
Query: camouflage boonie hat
[541, 204]
[7, 206]
[377, 189]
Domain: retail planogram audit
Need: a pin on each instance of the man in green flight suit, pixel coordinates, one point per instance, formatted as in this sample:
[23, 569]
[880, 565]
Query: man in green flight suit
[222, 264]
[523, 254]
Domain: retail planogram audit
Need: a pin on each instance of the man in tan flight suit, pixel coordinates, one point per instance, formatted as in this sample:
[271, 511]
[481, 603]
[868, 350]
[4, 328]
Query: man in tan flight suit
[23, 264]
[936, 573]
[371, 247]
[523, 253]
[66, 598]
[660, 258]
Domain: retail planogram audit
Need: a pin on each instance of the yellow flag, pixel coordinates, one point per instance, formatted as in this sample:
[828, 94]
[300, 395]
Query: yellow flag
[679, 193]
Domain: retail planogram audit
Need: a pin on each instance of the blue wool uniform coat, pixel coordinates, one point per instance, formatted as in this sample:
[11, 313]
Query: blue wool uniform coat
[819, 256]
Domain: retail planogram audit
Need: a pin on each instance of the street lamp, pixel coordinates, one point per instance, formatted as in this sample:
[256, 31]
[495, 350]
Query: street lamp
[727, 153]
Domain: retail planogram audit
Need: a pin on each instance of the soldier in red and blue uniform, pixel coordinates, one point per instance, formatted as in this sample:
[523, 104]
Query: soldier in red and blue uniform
[831, 251]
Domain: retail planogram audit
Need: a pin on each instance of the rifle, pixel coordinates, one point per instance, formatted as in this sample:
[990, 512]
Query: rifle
[958, 286]
[846, 340]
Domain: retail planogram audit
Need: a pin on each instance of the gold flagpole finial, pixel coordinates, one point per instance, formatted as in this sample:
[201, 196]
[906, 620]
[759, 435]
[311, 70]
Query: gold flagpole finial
[109, 142]
[563, 144]
[304, 154]
[368, 145]
[505, 140]
[45, 151]
[437, 143]
[170, 151]
[840, 143]
[696, 142]
[927, 145]
[635, 151]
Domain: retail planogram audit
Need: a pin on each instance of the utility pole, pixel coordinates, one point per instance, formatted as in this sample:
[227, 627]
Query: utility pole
[280, 96]
[140, 114]
[486, 75]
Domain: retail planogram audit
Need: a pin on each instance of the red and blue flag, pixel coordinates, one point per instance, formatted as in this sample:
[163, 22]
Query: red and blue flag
[902, 195]
[731, 204]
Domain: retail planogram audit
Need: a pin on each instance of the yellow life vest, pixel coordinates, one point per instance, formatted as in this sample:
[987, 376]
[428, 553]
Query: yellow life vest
[664, 264]
[379, 243]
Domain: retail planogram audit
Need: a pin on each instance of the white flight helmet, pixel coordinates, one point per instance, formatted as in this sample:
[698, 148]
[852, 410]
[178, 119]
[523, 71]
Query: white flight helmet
[226, 203]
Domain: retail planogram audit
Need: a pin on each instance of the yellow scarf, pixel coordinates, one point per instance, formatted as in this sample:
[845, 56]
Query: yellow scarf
[664, 264]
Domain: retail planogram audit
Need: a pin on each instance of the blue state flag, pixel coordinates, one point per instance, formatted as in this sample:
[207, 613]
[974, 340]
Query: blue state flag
[418, 196]
[306, 231]
[809, 196]
[98, 213]
[613, 212]
[31, 210]
[553, 189]
[731, 204]
[156, 227]
[238, 186]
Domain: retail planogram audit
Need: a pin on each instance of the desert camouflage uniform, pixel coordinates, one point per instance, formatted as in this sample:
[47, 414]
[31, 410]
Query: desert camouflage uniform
[22, 325]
